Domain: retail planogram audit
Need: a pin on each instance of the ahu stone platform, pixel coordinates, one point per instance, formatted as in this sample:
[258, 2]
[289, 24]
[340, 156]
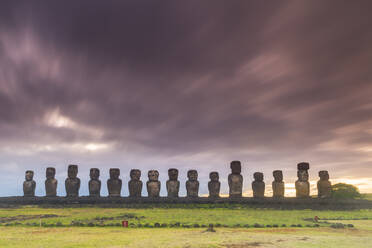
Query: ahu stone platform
[266, 202]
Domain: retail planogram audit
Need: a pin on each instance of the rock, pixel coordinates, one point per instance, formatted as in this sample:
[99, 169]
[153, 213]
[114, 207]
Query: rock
[258, 185]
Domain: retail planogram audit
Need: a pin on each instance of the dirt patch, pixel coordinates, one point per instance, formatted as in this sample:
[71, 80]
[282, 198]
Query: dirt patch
[245, 245]
[27, 217]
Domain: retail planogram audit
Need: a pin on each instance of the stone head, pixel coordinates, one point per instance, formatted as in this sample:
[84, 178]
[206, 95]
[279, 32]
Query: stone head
[303, 166]
[303, 175]
[236, 167]
[192, 175]
[214, 176]
[135, 174]
[173, 174]
[50, 172]
[72, 171]
[94, 173]
[258, 176]
[278, 175]
[153, 175]
[29, 175]
[324, 175]
[114, 173]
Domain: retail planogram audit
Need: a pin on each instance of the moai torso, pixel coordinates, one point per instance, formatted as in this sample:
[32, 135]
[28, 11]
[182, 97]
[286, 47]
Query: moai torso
[153, 185]
[29, 184]
[135, 184]
[114, 183]
[324, 185]
[258, 185]
[302, 184]
[72, 183]
[192, 185]
[94, 183]
[278, 184]
[214, 185]
[51, 182]
[173, 185]
[235, 180]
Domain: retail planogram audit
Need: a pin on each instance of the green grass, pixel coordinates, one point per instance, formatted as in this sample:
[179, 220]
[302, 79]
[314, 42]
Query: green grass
[23, 235]
[230, 217]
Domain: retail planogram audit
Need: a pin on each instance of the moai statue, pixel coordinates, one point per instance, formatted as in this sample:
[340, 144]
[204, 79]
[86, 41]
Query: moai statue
[114, 183]
[235, 180]
[258, 185]
[192, 185]
[72, 183]
[302, 184]
[29, 185]
[173, 185]
[278, 184]
[324, 185]
[51, 182]
[153, 184]
[135, 184]
[214, 185]
[94, 183]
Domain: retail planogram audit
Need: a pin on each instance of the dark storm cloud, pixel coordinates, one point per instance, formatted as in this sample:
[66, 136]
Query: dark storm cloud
[269, 84]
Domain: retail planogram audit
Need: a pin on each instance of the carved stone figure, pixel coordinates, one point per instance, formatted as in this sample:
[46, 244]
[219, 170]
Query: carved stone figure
[235, 180]
[135, 184]
[302, 184]
[173, 185]
[29, 185]
[94, 183]
[278, 184]
[324, 185]
[50, 182]
[192, 185]
[214, 185]
[258, 185]
[153, 184]
[114, 183]
[72, 183]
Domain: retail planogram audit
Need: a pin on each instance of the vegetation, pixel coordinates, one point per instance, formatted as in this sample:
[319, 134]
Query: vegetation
[236, 226]
[345, 191]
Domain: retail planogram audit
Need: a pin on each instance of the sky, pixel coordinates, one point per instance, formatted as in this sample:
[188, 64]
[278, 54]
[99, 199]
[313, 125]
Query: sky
[188, 85]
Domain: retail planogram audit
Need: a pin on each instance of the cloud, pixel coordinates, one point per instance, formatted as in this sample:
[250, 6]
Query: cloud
[191, 85]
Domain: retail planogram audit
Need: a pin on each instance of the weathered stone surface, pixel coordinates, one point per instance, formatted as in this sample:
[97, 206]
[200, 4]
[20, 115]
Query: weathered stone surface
[258, 185]
[235, 180]
[50, 182]
[135, 184]
[114, 183]
[173, 185]
[302, 184]
[278, 184]
[214, 185]
[94, 183]
[324, 185]
[29, 185]
[72, 183]
[192, 185]
[153, 184]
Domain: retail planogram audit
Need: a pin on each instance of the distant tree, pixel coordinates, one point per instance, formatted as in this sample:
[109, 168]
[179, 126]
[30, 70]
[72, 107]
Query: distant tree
[345, 191]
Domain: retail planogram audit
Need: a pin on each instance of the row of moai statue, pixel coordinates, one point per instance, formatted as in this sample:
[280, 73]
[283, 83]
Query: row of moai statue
[235, 181]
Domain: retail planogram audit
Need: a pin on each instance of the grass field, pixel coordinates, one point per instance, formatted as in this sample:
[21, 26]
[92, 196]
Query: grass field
[236, 227]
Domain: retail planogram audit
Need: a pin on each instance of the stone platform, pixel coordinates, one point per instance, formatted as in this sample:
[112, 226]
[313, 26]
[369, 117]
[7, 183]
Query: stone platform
[267, 202]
